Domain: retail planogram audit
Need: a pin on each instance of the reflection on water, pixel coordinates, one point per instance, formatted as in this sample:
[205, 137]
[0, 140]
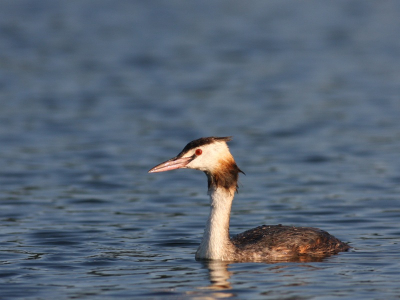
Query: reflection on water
[221, 276]
[218, 274]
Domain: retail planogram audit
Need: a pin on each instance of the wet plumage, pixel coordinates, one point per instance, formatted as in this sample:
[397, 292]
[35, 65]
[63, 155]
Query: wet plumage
[268, 242]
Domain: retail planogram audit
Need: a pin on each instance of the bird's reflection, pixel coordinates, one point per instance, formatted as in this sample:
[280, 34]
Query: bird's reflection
[219, 279]
[219, 273]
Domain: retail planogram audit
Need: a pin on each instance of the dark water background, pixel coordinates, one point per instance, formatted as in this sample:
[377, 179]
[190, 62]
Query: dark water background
[94, 93]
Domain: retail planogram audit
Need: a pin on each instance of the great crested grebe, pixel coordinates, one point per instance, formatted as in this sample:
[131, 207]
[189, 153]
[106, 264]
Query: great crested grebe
[212, 156]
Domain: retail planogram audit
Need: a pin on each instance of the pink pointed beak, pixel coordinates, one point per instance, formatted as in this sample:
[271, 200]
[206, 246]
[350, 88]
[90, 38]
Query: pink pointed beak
[171, 164]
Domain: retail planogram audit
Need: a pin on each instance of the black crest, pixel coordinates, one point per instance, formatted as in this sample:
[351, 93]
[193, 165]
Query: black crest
[203, 141]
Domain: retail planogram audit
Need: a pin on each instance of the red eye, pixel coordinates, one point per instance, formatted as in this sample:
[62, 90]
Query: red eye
[198, 152]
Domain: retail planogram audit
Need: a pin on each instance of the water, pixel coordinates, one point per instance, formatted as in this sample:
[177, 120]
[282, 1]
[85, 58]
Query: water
[95, 93]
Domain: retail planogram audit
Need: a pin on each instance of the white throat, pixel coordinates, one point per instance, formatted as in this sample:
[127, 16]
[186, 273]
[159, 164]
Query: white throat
[216, 242]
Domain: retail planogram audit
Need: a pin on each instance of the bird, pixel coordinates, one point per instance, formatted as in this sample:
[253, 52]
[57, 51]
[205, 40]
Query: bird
[264, 243]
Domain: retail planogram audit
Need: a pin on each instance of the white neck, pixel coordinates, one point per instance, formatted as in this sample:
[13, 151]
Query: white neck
[216, 242]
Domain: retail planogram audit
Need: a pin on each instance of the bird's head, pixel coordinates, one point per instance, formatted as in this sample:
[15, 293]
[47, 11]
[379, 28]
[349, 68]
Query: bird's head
[210, 155]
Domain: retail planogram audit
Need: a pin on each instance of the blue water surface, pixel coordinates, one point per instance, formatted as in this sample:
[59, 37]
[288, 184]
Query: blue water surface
[95, 93]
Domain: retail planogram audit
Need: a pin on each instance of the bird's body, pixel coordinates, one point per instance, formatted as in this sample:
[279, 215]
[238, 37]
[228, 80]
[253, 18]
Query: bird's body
[212, 156]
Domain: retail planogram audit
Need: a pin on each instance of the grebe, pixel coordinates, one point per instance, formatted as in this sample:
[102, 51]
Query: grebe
[212, 156]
